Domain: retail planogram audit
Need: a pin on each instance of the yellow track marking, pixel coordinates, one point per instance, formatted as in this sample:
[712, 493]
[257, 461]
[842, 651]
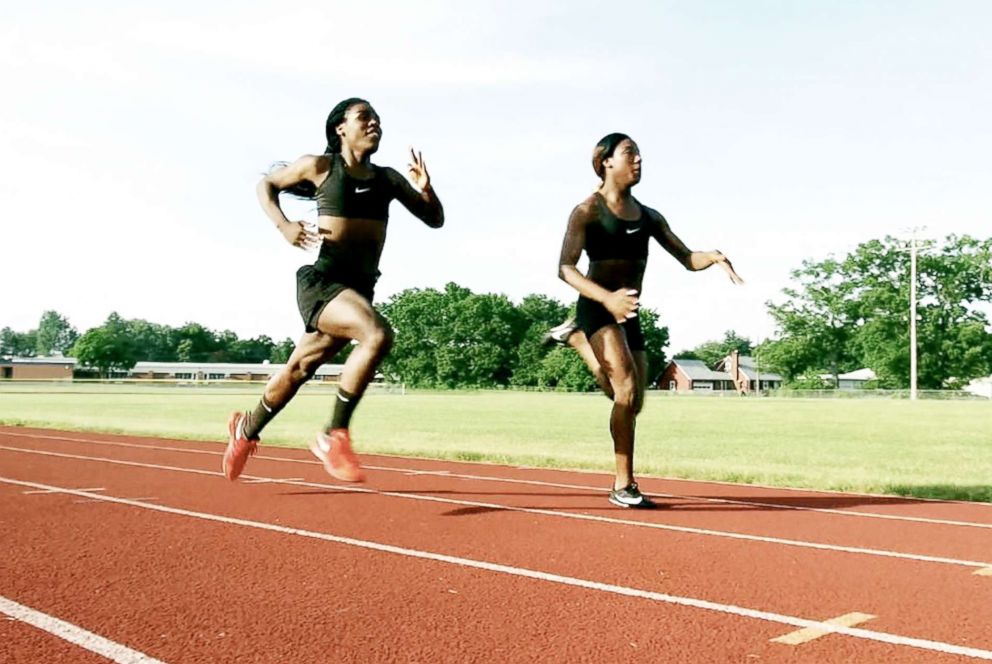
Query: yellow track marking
[801, 636]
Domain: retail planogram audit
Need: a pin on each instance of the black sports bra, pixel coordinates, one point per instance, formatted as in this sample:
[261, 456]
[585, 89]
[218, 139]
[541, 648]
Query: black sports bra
[341, 195]
[611, 237]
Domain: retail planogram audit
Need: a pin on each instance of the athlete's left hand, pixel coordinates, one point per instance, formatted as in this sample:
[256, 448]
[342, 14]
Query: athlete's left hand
[724, 262]
[418, 170]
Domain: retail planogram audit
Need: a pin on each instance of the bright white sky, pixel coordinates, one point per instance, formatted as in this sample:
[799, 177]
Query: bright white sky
[133, 137]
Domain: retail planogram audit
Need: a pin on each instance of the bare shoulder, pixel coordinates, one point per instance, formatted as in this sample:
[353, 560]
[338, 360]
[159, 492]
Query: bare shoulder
[653, 214]
[307, 167]
[586, 211]
[657, 219]
[316, 164]
[391, 174]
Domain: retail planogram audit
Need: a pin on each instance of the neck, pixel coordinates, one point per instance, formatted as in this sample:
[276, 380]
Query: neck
[613, 192]
[354, 157]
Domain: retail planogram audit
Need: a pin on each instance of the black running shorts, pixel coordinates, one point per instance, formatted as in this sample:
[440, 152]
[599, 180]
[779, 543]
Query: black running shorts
[316, 287]
[591, 316]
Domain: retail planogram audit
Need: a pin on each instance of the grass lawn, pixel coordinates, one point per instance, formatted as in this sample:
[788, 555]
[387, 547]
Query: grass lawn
[940, 449]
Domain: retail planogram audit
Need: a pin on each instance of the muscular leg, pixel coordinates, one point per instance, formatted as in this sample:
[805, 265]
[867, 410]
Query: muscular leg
[350, 316]
[609, 345]
[580, 343]
[641, 366]
[312, 350]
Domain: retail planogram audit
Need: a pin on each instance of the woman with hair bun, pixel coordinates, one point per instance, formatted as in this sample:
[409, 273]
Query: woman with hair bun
[335, 293]
[613, 228]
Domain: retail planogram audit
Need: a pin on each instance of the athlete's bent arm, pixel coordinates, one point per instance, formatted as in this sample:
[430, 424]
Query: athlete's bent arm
[425, 205]
[622, 303]
[692, 260]
[306, 169]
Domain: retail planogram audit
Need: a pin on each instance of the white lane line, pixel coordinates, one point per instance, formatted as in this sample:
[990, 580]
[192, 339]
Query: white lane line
[558, 485]
[893, 639]
[808, 634]
[95, 643]
[351, 488]
[36, 493]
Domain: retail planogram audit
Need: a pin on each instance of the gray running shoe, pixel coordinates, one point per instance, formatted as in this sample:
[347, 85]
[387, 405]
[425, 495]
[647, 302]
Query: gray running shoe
[560, 334]
[631, 496]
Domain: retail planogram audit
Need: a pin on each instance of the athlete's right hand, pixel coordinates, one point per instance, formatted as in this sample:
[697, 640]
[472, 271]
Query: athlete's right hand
[622, 304]
[301, 234]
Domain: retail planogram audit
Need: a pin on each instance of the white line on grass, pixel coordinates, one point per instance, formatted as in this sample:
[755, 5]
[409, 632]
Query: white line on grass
[883, 637]
[113, 651]
[558, 485]
[351, 488]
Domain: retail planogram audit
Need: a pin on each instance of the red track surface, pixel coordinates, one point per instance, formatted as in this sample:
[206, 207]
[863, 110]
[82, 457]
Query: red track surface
[491, 563]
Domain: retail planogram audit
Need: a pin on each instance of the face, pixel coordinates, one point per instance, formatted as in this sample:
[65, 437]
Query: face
[361, 130]
[625, 164]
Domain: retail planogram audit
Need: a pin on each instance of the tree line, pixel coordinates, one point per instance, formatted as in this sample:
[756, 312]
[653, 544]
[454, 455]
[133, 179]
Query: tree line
[848, 313]
[837, 315]
[450, 338]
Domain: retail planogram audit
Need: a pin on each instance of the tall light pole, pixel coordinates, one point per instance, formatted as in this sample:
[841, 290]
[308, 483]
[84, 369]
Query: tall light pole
[912, 318]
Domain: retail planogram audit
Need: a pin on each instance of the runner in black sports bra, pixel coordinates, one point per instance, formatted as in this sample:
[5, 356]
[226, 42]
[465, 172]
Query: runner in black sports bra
[613, 228]
[334, 294]
[341, 195]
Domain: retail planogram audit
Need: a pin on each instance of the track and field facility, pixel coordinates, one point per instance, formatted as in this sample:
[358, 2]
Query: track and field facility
[483, 532]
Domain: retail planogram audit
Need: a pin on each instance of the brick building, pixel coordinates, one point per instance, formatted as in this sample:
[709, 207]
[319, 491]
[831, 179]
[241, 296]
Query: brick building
[36, 368]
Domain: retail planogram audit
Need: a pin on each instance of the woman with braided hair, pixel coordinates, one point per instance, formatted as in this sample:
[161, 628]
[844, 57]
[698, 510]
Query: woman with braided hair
[335, 293]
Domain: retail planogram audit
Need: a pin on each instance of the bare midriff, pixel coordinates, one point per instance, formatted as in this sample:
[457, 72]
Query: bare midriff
[613, 274]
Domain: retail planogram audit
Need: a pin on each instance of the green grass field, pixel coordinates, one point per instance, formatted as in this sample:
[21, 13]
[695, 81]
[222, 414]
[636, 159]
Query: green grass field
[926, 448]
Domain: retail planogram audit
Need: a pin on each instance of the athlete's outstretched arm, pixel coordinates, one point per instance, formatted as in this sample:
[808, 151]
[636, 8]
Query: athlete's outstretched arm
[304, 170]
[692, 260]
[425, 205]
[622, 303]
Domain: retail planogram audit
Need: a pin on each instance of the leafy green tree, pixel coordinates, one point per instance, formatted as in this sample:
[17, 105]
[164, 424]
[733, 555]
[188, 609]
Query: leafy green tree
[563, 369]
[196, 343]
[17, 344]
[820, 316]
[255, 350]
[452, 338]
[418, 317]
[539, 314]
[954, 343]
[281, 351]
[54, 334]
[106, 348]
[655, 341]
[853, 313]
[152, 342]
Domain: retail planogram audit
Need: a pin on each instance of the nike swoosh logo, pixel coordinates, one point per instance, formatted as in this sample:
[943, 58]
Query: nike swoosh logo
[632, 230]
[359, 190]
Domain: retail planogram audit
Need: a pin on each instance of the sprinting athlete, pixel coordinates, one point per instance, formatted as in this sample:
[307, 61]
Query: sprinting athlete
[614, 229]
[335, 293]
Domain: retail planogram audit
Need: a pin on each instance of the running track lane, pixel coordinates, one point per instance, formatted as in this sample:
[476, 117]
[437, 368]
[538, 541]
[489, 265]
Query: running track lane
[556, 545]
[924, 528]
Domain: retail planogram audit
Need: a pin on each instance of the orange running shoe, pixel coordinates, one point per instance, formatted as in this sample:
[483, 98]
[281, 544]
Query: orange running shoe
[334, 451]
[239, 448]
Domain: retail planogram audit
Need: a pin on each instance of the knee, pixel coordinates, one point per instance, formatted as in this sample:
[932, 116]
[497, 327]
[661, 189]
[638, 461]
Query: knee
[625, 392]
[302, 369]
[297, 372]
[379, 339]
